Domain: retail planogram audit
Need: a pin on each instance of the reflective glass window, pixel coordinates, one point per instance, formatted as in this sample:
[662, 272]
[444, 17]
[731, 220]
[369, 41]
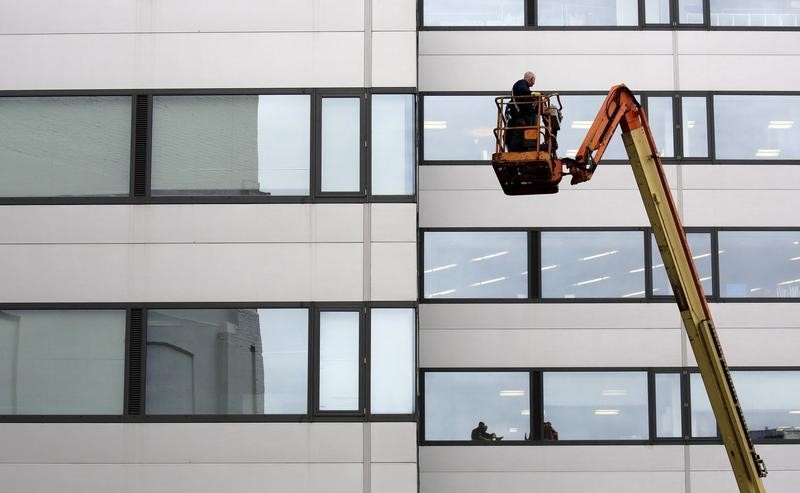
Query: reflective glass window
[393, 144]
[659, 115]
[587, 12]
[759, 264]
[656, 11]
[339, 336]
[392, 360]
[694, 126]
[690, 12]
[703, 422]
[592, 264]
[227, 361]
[747, 13]
[62, 361]
[473, 12]
[596, 405]
[456, 402]
[579, 114]
[231, 145]
[700, 244]
[757, 127]
[770, 401]
[668, 405]
[484, 264]
[341, 144]
[459, 128]
[65, 146]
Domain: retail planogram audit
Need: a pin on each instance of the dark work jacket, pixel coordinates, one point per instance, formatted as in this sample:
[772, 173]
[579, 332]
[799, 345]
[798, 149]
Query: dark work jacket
[525, 110]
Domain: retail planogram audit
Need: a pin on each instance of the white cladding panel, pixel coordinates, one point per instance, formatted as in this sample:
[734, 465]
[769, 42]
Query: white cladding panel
[394, 59]
[760, 208]
[393, 442]
[393, 222]
[393, 478]
[394, 271]
[394, 15]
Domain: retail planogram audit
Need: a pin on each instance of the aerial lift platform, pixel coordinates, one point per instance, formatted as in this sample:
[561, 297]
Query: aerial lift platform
[526, 163]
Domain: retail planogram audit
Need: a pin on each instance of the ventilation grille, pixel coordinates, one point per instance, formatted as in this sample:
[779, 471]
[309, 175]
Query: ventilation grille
[140, 137]
[135, 363]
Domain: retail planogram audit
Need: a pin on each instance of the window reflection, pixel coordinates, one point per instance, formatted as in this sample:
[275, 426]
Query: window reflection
[482, 264]
[694, 126]
[592, 264]
[473, 12]
[392, 362]
[704, 424]
[339, 337]
[700, 245]
[596, 405]
[770, 401]
[759, 264]
[341, 144]
[456, 402]
[690, 11]
[393, 144]
[588, 12]
[656, 11]
[668, 405]
[459, 128]
[757, 127]
[659, 115]
[745, 13]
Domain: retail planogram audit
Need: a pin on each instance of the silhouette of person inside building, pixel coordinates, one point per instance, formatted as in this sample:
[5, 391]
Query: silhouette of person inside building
[480, 434]
[549, 433]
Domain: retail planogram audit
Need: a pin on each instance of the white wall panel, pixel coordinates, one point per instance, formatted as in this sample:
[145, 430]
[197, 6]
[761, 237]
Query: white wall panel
[394, 271]
[741, 208]
[698, 42]
[394, 59]
[759, 347]
[393, 222]
[728, 72]
[132, 61]
[99, 16]
[393, 478]
[394, 15]
[761, 315]
[761, 176]
[338, 272]
[393, 442]
[575, 482]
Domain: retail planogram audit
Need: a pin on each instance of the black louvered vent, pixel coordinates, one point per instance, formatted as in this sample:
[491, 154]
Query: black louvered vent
[141, 122]
[135, 398]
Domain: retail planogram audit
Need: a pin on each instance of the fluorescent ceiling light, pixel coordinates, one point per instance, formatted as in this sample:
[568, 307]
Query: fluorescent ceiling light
[634, 271]
[606, 412]
[794, 411]
[592, 281]
[548, 267]
[512, 393]
[768, 153]
[441, 293]
[629, 295]
[526, 412]
[794, 258]
[523, 273]
[702, 255]
[604, 254]
[435, 125]
[705, 278]
[753, 290]
[614, 392]
[513, 430]
[479, 133]
[581, 124]
[780, 124]
[489, 281]
[784, 283]
[441, 267]
[690, 123]
[491, 255]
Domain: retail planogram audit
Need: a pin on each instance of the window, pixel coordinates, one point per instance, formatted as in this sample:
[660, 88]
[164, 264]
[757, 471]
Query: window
[227, 361]
[656, 11]
[62, 362]
[486, 264]
[592, 264]
[393, 144]
[700, 244]
[690, 12]
[341, 145]
[455, 402]
[579, 114]
[392, 360]
[668, 405]
[459, 128]
[757, 127]
[770, 401]
[695, 127]
[704, 424]
[474, 12]
[659, 115]
[65, 146]
[747, 13]
[339, 361]
[588, 12]
[759, 264]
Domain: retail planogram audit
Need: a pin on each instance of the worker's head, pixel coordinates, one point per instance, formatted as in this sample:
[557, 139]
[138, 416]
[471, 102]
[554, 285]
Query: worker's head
[481, 425]
[530, 78]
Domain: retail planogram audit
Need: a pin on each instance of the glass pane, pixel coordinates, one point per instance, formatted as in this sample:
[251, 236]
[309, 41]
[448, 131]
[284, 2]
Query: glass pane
[690, 12]
[771, 403]
[392, 360]
[757, 127]
[759, 264]
[596, 405]
[592, 264]
[231, 145]
[341, 144]
[338, 361]
[695, 127]
[457, 402]
[476, 264]
[656, 11]
[700, 244]
[473, 12]
[227, 361]
[703, 422]
[579, 114]
[588, 12]
[782, 13]
[62, 361]
[659, 115]
[668, 405]
[393, 147]
[65, 146]
[459, 128]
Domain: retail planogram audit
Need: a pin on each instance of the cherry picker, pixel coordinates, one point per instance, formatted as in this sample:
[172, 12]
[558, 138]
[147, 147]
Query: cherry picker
[526, 163]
